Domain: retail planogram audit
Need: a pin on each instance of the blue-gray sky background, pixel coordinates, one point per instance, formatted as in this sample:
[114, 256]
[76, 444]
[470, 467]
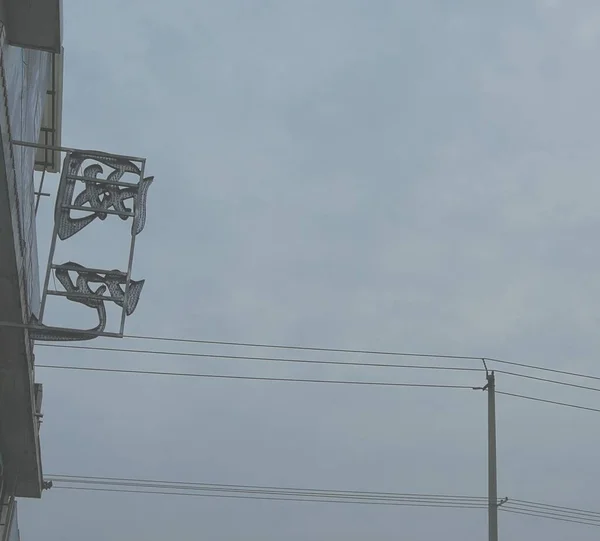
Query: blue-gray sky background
[406, 175]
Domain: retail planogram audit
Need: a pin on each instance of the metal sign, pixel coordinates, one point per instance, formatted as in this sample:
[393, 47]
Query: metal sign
[92, 184]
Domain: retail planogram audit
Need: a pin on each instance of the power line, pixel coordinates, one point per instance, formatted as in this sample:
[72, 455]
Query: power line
[124, 481]
[306, 380]
[544, 369]
[550, 507]
[146, 486]
[268, 359]
[281, 498]
[356, 351]
[558, 518]
[546, 380]
[267, 346]
[321, 362]
[545, 401]
[305, 497]
[257, 378]
[294, 490]
[539, 511]
[425, 504]
[213, 490]
[311, 348]
[297, 348]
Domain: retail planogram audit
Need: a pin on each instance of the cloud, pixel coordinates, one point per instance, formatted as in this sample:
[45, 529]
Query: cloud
[411, 177]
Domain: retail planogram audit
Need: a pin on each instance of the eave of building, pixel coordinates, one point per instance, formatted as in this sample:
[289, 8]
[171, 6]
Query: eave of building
[33, 24]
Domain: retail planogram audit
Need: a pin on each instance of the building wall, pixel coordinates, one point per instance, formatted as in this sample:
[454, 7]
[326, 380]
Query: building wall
[33, 27]
[27, 74]
[13, 529]
[24, 78]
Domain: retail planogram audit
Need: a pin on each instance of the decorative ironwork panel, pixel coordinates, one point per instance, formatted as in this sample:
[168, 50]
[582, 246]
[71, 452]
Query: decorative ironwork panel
[101, 194]
[112, 282]
[94, 185]
[39, 331]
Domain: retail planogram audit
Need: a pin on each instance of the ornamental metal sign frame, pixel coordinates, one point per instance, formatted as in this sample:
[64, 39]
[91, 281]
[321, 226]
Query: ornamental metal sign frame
[91, 183]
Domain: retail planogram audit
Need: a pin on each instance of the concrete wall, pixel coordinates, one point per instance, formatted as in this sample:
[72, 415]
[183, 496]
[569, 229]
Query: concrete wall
[13, 531]
[27, 75]
[24, 76]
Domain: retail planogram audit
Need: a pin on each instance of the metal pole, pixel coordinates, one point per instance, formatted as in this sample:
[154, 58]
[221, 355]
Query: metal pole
[492, 473]
[91, 153]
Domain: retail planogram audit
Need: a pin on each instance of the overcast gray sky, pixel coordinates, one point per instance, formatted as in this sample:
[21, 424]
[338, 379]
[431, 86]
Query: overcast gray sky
[407, 175]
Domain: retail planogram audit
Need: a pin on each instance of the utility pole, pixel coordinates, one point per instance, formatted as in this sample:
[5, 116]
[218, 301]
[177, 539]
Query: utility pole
[492, 473]
[493, 503]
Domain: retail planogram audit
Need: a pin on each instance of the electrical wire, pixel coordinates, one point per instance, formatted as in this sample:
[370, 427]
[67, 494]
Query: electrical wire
[256, 491]
[293, 490]
[257, 378]
[546, 380]
[306, 497]
[573, 520]
[296, 348]
[519, 507]
[357, 351]
[409, 503]
[424, 504]
[550, 513]
[310, 348]
[281, 498]
[307, 380]
[124, 481]
[321, 362]
[545, 401]
[267, 359]
[529, 503]
[213, 490]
